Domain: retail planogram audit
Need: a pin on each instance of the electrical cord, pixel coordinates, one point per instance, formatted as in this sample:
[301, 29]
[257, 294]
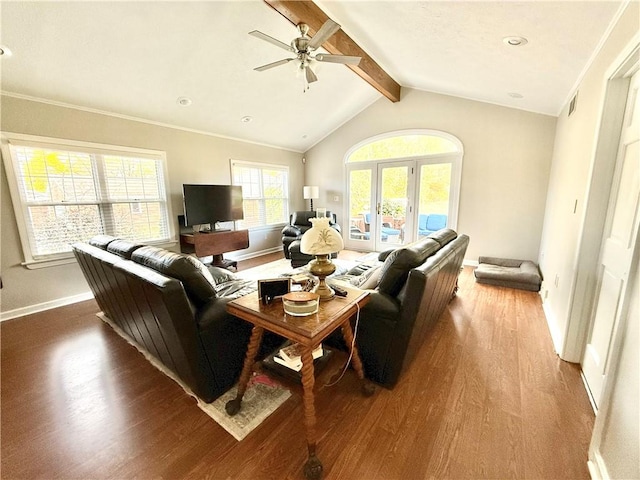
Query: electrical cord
[353, 343]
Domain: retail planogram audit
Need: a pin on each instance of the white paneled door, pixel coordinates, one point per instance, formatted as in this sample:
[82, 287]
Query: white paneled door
[619, 242]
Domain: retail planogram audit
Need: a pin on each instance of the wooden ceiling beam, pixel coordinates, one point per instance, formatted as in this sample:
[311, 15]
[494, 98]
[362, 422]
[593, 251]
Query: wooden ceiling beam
[305, 11]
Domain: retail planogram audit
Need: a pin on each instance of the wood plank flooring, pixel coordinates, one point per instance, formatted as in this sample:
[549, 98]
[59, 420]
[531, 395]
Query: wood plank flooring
[486, 397]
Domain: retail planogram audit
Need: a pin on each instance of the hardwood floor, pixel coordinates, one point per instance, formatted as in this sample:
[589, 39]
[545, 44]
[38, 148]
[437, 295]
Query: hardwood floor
[485, 398]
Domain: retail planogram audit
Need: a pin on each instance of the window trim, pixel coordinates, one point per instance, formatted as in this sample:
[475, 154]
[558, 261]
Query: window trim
[9, 138]
[261, 166]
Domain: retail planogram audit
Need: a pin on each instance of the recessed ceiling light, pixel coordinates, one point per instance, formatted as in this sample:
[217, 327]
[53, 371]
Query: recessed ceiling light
[4, 51]
[515, 41]
[246, 119]
[184, 101]
[305, 135]
[515, 95]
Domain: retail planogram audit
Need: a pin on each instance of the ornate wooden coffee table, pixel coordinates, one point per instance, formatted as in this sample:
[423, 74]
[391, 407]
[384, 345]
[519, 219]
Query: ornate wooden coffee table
[309, 331]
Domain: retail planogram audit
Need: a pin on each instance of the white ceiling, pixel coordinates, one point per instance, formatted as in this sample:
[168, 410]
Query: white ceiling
[137, 58]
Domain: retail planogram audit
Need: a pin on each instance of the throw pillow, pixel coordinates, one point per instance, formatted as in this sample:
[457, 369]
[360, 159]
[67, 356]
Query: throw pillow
[372, 278]
[220, 275]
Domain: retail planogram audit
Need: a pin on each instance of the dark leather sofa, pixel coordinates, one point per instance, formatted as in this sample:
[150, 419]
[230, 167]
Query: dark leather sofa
[416, 283]
[298, 224]
[174, 307]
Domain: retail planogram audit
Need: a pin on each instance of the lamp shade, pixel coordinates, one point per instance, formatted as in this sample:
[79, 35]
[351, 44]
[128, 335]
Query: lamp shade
[309, 192]
[321, 239]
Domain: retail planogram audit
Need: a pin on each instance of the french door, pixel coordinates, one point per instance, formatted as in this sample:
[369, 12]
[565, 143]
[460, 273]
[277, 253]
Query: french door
[394, 192]
[392, 203]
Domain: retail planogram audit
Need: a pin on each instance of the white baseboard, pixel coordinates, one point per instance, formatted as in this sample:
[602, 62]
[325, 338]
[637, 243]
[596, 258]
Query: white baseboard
[586, 387]
[40, 307]
[553, 329]
[247, 256]
[469, 263]
[597, 468]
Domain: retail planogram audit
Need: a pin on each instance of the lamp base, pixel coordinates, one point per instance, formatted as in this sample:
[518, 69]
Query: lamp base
[322, 267]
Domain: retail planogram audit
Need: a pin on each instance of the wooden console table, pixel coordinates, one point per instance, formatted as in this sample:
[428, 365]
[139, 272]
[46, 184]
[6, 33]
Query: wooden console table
[309, 331]
[215, 243]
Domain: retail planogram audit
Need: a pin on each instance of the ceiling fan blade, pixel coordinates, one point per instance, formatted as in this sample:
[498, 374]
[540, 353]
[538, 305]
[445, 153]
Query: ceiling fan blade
[271, 40]
[274, 64]
[327, 29]
[344, 59]
[310, 76]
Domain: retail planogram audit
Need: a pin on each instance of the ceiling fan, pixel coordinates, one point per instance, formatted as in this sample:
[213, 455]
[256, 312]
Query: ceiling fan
[303, 48]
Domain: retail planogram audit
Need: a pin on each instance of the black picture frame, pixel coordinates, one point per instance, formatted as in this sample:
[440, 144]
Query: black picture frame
[272, 288]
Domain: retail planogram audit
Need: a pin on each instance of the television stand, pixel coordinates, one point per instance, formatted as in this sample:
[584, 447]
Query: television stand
[216, 230]
[215, 243]
[220, 261]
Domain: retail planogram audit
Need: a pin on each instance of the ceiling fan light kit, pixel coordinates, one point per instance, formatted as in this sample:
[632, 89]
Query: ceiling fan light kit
[303, 48]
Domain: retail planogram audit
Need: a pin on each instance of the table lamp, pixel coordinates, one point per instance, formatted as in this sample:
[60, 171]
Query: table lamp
[321, 240]
[309, 193]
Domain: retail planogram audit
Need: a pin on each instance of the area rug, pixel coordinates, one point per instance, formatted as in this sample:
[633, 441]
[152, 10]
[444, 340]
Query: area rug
[282, 267]
[262, 397]
[268, 270]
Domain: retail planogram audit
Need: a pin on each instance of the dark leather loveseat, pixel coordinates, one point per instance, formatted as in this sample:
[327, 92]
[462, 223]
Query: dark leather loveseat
[174, 307]
[416, 282]
[298, 224]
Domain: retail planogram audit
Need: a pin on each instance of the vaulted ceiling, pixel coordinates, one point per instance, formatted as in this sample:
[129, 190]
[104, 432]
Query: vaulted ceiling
[136, 59]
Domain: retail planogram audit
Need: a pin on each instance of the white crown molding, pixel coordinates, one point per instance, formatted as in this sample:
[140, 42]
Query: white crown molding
[138, 119]
[614, 21]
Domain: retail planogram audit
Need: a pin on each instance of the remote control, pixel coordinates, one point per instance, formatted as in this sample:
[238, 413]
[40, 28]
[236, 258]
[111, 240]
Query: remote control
[339, 291]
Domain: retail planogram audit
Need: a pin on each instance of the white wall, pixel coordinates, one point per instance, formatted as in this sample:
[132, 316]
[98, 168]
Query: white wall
[569, 243]
[507, 157]
[191, 157]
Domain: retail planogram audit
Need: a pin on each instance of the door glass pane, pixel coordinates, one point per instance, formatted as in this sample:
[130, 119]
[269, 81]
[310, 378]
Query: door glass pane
[393, 208]
[433, 204]
[360, 197]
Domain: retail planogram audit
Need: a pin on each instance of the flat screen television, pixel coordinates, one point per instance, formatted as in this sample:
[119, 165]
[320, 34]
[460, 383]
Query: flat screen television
[209, 204]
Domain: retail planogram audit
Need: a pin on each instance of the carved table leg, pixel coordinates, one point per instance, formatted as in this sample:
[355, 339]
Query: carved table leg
[313, 466]
[367, 388]
[233, 406]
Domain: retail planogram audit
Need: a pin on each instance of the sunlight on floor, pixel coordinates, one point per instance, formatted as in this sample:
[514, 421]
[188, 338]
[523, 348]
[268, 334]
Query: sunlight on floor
[86, 400]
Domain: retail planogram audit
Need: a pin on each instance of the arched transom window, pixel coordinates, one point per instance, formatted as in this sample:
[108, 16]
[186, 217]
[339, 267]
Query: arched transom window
[402, 146]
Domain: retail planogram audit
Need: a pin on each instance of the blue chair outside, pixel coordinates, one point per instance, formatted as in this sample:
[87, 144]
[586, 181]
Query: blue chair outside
[384, 231]
[429, 223]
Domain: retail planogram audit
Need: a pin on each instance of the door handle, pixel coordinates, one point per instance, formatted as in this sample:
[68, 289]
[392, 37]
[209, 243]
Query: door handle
[378, 209]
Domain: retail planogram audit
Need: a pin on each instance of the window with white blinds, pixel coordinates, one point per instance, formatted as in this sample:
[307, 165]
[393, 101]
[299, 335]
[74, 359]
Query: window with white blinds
[64, 192]
[265, 193]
